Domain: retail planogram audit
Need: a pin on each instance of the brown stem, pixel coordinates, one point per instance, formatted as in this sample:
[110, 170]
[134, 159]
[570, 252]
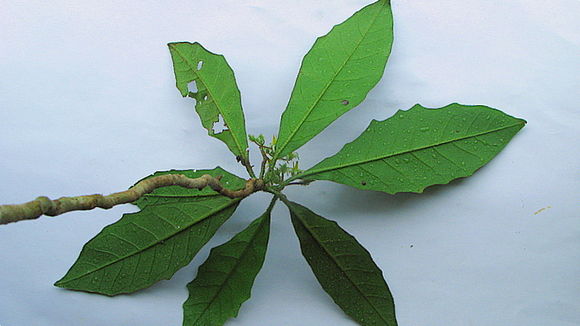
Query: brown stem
[45, 206]
[265, 160]
[245, 161]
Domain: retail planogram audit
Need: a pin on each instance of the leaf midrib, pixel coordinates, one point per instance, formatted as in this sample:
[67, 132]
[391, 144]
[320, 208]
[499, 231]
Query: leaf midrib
[325, 89]
[209, 214]
[321, 245]
[308, 173]
[216, 101]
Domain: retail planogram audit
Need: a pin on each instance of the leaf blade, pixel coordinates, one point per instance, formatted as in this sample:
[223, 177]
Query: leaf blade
[418, 148]
[217, 92]
[234, 264]
[344, 268]
[147, 246]
[325, 87]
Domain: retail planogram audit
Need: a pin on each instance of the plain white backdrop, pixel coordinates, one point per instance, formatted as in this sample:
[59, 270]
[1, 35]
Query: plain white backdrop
[88, 105]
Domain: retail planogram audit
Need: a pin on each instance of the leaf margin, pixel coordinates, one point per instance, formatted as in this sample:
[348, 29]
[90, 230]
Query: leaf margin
[314, 170]
[227, 207]
[240, 147]
[388, 317]
[282, 150]
[260, 228]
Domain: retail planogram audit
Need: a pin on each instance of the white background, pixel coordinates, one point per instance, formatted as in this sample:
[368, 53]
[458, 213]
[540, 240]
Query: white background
[88, 105]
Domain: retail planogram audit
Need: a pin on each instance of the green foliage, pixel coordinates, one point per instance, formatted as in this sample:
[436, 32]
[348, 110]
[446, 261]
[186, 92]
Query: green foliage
[418, 148]
[276, 173]
[406, 153]
[145, 247]
[336, 75]
[217, 93]
[225, 279]
[344, 268]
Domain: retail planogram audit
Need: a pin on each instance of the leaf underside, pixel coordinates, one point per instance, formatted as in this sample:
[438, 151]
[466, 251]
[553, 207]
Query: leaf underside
[336, 75]
[344, 268]
[150, 245]
[176, 194]
[224, 281]
[418, 148]
[217, 95]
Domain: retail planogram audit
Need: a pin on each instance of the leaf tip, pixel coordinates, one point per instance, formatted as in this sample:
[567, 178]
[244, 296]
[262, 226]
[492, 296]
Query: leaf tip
[61, 283]
[385, 2]
[173, 45]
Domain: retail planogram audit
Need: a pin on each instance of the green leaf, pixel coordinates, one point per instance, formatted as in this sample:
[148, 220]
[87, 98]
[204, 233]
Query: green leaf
[217, 94]
[145, 247]
[336, 75]
[418, 148]
[224, 281]
[176, 194]
[344, 268]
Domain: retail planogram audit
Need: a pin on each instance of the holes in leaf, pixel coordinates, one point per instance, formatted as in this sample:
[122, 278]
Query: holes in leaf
[219, 126]
[199, 65]
[192, 87]
[344, 102]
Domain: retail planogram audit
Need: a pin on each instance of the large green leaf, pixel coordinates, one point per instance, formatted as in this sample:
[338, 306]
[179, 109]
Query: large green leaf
[217, 94]
[344, 268]
[176, 194]
[336, 74]
[225, 279]
[150, 245]
[418, 148]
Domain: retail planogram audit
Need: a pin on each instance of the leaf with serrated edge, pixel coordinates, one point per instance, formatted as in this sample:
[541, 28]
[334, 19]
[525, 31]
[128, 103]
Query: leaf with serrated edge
[217, 94]
[170, 194]
[336, 75]
[224, 281]
[344, 268]
[145, 247]
[418, 148]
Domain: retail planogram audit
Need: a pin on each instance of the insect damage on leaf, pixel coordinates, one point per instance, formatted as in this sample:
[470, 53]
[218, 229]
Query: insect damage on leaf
[208, 78]
[192, 87]
[408, 152]
[220, 126]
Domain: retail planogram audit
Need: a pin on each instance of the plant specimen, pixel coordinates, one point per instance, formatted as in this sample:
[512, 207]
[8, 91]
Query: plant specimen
[181, 210]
